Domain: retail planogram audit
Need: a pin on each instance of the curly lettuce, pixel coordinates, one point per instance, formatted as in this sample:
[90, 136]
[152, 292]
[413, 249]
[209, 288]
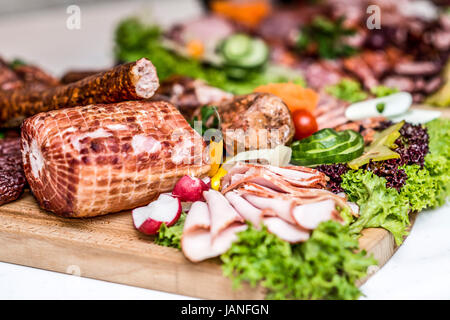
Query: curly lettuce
[439, 137]
[324, 267]
[426, 187]
[171, 236]
[379, 206]
[347, 90]
[382, 91]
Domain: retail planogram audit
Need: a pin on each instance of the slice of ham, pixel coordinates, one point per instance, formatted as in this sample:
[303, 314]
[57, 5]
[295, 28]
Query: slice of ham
[197, 246]
[309, 216]
[197, 241]
[222, 214]
[354, 207]
[272, 176]
[281, 207]
[245, 209]
[198, 217]
[285, 231]
[266, 186]
[225, 239]
[264, 176]
[297, 175]
[258, 190]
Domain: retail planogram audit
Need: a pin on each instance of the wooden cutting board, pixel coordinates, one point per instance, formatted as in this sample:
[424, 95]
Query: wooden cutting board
[109, 248]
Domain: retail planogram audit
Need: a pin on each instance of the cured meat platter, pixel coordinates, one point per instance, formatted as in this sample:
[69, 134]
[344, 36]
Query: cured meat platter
[214, 153]
[110, 248]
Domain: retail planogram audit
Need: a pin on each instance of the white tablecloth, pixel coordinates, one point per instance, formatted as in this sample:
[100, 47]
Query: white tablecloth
[420, 269]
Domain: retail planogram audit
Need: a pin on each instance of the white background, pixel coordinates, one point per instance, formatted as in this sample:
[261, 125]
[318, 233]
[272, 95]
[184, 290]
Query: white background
[420, 269]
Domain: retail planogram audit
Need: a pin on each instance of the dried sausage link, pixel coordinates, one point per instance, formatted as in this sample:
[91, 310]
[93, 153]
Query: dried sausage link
[12, 176]
[131, 81]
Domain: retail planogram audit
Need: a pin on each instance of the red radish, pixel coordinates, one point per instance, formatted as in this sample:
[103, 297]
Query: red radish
[190, 189]
[207, 181]
[165, 209]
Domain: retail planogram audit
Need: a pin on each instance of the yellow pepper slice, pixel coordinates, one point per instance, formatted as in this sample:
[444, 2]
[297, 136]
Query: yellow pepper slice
[215, 180]
[215, 156]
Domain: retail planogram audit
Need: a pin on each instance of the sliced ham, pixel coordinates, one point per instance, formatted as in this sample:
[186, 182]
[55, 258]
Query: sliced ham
[196, 245]
[257, 190]
[280, 179]
[279, 187]
[245, 209]
[222, 214]
[295, 175]
[282, 207]
[309, 216]
[354, 207]
[259, 194]
[225, 239]
[198, 242]
[285, 231]
[300, 176]
[196, 239]
[197, 218]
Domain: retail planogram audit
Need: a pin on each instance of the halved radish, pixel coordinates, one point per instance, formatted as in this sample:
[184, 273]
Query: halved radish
[165, 209]
[190, 189]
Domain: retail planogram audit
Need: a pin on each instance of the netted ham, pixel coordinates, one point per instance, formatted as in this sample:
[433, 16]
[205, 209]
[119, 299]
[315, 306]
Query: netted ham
[93, 160]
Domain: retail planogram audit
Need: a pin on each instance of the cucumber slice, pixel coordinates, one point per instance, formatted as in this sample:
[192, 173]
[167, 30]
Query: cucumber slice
[241, 51]
[327, 149]
[236, 47]
[329, 143]
[328, 146]
[319, 135]
[258, 55]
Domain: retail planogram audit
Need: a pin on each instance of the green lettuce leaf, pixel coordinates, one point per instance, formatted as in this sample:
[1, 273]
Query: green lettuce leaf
[439, 134]
[382, 91]
[379, 206]
[324, 267]
[171, 236]
[347, 90]
[426, 187]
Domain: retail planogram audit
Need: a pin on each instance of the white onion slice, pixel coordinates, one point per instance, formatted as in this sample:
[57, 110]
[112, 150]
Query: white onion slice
[394, 104]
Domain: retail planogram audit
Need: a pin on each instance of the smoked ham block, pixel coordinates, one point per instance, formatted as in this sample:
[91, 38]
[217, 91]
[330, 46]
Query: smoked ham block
[93, 160]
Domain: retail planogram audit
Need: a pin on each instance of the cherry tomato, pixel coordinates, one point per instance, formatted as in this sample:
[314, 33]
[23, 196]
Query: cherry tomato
[305, 124]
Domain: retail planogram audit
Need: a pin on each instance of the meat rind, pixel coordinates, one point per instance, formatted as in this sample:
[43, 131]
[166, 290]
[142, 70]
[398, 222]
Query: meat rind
[93, 160]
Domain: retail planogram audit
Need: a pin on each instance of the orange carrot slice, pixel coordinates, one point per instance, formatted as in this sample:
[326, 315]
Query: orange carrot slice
[293, 95]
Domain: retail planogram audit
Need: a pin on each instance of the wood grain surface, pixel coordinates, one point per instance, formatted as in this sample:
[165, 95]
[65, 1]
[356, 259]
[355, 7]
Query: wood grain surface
[109, 248]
